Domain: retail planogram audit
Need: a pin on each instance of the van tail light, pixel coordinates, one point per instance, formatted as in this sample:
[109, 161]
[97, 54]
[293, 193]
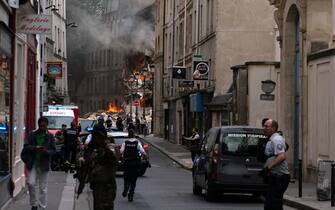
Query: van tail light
[214, 156]
[215, 153]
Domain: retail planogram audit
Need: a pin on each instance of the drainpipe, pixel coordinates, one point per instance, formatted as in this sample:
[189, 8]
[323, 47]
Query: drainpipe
[296, 121]
[185, 16]
[197, 27]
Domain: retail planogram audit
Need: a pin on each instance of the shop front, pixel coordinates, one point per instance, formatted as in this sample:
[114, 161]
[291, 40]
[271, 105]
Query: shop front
[5, 56]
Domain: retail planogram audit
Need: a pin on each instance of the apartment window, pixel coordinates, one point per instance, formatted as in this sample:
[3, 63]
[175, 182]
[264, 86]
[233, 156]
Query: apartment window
[200, 21]
[181, 40]
[59, 41]
[208, 16]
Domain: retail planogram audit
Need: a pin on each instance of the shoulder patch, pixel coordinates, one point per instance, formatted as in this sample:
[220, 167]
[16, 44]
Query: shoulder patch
[280, 146]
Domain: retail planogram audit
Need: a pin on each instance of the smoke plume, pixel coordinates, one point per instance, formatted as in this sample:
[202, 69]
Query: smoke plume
[120, 24]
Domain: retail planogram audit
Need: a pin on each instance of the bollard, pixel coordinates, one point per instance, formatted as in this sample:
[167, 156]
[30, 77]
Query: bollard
[300, 178]
[332, 189]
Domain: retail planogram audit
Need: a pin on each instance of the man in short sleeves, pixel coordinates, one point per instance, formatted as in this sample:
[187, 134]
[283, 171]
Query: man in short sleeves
[277, 167]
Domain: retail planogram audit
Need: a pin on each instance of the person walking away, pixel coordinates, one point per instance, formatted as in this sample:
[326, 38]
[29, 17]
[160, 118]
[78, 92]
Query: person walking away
[130, 151]
[101, 164]
[36, 154]
[276, 167]
[71, 140]
[194, 143]
[109, 124]
[119, 124]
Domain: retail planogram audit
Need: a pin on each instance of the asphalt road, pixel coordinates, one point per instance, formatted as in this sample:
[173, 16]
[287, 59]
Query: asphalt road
[166, 186]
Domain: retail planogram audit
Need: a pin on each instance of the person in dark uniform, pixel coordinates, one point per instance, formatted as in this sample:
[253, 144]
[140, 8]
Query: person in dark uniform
[100, 162]
[276, 167]
[70, 143]
[130, 150]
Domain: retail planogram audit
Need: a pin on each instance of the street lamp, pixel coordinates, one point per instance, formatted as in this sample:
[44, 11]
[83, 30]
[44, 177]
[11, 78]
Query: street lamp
[53, 7]
[72, 25]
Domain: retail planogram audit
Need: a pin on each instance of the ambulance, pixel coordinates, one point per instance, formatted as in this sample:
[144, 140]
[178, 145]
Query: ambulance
[59, 114]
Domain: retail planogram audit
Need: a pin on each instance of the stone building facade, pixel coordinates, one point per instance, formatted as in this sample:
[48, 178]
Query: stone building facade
[306, 38]
[224, 33]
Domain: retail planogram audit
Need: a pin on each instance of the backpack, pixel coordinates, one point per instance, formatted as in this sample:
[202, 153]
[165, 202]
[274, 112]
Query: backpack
[130, 152]
[101, 166]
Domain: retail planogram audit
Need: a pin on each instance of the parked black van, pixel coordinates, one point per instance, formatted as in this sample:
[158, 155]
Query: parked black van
[230, 161]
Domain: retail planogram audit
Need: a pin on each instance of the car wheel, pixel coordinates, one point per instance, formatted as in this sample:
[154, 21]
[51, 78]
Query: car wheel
[210, 194]
[196, 189]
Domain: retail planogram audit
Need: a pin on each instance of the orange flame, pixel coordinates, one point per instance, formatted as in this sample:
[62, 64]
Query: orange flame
[113, 108]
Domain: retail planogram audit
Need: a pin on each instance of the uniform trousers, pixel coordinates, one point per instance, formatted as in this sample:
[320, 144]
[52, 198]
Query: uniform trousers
[103, 196]
[130, 176]
[277, 185]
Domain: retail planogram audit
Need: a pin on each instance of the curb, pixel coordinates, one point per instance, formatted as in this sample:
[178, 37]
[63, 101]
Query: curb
[296, 204]
[287, 199]
[167, 154]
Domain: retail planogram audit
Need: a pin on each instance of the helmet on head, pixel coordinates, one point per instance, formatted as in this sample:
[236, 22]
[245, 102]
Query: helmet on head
[101, 120]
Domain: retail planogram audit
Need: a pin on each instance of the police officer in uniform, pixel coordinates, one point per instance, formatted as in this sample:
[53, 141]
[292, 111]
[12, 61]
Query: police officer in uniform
[70, 143]
[130, 150]
[276, 167]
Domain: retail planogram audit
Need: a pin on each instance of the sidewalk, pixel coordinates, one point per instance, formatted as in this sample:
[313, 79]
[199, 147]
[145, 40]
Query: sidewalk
[182, 156]
[60, 194]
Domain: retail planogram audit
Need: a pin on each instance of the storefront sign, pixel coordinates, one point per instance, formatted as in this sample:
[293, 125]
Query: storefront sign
[35, 24]
[200, 70]
[5, 40]
[55, 69]
[186, 83]
[267, 97]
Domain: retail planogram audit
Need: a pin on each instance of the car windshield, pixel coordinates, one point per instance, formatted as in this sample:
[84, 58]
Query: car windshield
[86, 124]
[243, 144]
[55, 122]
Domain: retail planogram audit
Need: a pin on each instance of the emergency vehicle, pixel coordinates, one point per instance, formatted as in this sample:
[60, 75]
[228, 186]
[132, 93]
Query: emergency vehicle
[59, 114]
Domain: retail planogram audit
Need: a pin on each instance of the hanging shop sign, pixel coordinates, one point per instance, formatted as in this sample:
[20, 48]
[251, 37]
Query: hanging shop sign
[55, 69]
[5, 40]
[178, 72]
[186, 83]
[35, 24]
[200, 70]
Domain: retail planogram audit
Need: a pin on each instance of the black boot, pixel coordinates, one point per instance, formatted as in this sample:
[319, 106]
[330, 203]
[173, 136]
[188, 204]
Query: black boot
[130, 197]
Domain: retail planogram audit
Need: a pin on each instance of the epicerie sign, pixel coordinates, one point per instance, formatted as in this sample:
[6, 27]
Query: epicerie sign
[35, 24]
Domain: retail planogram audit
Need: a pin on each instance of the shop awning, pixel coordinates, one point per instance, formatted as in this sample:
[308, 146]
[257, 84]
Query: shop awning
[220, 102]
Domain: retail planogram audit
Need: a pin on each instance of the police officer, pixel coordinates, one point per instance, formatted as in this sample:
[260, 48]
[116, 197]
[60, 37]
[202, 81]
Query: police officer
[130, 150]
[276, 167]
[70, 143]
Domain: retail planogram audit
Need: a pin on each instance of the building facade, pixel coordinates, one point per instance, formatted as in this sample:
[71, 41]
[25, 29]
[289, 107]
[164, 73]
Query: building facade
[55, 85]
[306, 31]
[102, 84]
[222, 33]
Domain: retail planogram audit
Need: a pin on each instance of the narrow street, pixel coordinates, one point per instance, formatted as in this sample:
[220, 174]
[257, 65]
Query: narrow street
[167, 186]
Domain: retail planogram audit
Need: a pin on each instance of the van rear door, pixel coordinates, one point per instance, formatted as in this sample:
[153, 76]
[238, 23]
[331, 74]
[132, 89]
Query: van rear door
[241, 158]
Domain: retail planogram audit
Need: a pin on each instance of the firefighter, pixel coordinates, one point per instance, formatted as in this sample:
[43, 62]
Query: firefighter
[131, 150]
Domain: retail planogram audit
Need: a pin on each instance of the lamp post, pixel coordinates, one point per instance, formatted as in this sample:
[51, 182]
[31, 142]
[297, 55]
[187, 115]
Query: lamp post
[144, 73]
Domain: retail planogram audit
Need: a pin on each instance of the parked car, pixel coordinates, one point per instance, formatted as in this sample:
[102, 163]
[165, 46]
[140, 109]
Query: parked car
[230, 160]
[117, 138]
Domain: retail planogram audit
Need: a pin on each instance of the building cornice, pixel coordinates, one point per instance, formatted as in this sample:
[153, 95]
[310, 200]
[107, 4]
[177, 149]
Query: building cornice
[6, 6]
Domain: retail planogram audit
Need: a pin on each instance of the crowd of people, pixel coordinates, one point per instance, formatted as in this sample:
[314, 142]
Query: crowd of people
[93, 159]
[96, 162]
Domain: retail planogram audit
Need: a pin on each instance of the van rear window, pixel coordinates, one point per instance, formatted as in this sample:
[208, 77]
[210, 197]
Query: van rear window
[243, 144]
